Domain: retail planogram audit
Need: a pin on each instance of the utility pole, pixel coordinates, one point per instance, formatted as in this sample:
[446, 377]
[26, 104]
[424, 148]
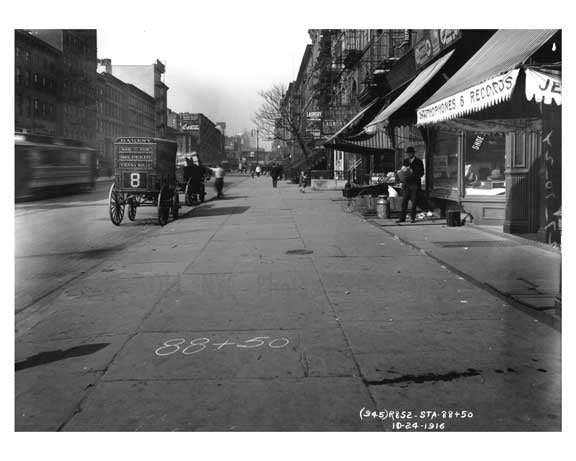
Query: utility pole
[257, 141]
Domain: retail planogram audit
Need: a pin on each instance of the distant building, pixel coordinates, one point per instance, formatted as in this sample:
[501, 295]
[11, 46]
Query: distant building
[148, 78]
[197, 133]
[173, 119]
[122, 110]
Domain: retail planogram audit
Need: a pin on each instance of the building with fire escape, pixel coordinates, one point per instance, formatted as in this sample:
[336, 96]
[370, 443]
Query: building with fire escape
[360, 62]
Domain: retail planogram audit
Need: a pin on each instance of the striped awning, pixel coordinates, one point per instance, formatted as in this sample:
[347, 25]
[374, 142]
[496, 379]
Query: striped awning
[417, 84]
[488, 78]
[360, 144]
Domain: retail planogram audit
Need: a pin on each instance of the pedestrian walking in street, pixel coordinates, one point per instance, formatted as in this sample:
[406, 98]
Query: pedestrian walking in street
[274, 174]
[258, 170]
[303, 181]
[413, 170]
[219, 180]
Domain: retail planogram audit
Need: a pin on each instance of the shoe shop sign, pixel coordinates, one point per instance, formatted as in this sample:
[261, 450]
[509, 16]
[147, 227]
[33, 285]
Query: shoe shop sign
[474, 99]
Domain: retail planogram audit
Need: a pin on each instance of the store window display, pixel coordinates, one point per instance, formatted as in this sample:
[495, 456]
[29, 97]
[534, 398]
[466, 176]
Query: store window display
[484, 164]
[445, 162]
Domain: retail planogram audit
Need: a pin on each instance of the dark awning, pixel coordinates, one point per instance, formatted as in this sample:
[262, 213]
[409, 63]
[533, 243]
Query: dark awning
[359, 120]
[417, 84]
[488, 78]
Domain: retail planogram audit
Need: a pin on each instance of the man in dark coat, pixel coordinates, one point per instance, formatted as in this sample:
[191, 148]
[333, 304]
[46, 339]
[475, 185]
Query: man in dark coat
[412, 183]
[274, 174]
[196, 175]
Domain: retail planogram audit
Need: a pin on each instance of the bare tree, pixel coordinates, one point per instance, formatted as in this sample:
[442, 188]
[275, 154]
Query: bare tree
[277, 119]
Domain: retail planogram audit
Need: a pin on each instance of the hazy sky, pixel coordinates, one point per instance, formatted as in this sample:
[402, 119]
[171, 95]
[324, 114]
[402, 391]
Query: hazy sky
[217, 71]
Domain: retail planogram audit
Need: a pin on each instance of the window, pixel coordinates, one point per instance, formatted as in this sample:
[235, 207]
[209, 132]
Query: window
[445, 162]
[29, 106]
[36, 77]
[18, 75]
[484, 164]
[27, 78]
[83, 158]
[36, 106]
[19, 103]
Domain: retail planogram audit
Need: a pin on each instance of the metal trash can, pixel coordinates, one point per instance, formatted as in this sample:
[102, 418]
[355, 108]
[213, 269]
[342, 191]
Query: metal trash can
[453, 219]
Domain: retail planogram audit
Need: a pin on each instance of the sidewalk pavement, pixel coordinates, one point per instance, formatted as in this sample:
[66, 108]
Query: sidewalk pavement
[275, 310]
[521, 271]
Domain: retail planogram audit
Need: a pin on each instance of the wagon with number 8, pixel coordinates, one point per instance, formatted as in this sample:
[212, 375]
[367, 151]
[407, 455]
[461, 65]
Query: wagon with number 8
[145, 175]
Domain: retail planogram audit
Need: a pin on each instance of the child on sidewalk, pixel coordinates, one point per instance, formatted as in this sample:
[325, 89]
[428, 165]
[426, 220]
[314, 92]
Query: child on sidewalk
[303, 181]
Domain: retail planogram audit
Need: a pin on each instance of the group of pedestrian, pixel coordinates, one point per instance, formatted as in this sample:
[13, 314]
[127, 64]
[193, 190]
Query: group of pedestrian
[196, 174]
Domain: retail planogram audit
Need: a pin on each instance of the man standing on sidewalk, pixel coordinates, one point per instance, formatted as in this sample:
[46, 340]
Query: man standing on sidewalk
[412, 183]
[219, 180]
[274, 173]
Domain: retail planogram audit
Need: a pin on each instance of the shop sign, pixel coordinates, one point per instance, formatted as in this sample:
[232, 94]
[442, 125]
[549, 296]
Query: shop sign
[315, 115]
[543, 87]
[431, 42]
[474, 99]
[551, 151]
[331, 126]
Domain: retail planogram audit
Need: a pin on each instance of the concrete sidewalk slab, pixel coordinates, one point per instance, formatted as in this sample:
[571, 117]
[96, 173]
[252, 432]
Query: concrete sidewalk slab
[242, 310]
[488, 258]
[311, 404]
[209, 354]
[499, 402]
[45, 401]
[412, 348]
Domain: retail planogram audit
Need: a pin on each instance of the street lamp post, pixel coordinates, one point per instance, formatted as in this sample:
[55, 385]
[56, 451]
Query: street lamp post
[257, 155]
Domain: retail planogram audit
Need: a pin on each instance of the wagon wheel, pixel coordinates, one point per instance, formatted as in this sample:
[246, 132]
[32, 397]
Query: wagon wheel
[164, 202]
[132, 209]
[115, 205]
[188, 193]
[175, 205]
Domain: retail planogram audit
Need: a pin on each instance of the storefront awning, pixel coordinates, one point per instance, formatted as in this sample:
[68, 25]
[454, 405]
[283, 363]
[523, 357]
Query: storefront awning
[488, 78]
[377, 144]
[544, 86]
[417, 84]
[354, 121]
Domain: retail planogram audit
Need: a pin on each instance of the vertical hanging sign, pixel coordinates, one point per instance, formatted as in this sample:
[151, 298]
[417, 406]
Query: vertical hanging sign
[552, 158]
